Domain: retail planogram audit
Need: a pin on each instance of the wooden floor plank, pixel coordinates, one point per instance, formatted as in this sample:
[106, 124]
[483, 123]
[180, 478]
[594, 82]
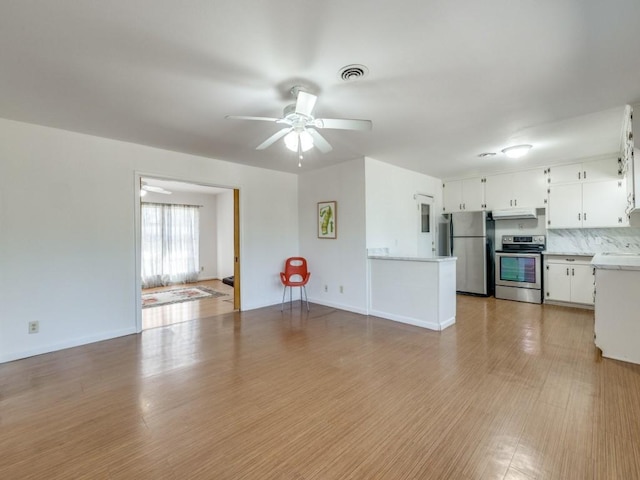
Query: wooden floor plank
[163, 315]
[512, 391]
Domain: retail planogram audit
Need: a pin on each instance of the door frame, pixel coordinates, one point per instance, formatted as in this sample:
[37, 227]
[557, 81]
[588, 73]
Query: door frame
[237, 244]
[432, 221]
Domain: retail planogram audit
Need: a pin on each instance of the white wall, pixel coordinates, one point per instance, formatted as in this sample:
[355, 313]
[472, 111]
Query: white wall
[391, 217]
[225, 234]
[67, 237]
[343, 261]
[208, 214]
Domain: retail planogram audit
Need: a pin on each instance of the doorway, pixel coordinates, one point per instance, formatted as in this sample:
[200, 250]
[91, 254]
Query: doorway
[425, 224]
[188, 251]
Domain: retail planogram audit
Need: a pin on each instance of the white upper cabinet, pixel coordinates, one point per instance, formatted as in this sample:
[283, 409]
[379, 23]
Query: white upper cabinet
[519, 189]
[565, 206]
[631, 170]
[587, 195]
[463, 195]
[604, 204]
[588, 205]
[595, 170]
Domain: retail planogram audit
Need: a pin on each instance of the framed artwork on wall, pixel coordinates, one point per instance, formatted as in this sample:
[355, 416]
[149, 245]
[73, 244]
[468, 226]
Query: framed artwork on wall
[328, 220]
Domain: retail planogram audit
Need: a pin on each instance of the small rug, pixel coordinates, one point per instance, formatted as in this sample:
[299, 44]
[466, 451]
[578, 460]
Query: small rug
[178, 295]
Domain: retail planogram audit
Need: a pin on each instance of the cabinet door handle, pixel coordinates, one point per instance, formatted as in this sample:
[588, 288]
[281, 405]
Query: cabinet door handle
[573, 272]
[585, 215]
[579, 217]
[584, 175]
[460, 206]
[567, 272]
[579, 173]
[511, 203]
[515, 202]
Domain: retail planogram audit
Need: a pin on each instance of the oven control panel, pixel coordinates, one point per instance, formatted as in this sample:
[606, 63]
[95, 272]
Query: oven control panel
[524, 243]
[524, 239]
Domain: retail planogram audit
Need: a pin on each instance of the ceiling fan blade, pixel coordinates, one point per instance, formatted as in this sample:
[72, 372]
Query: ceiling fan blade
[273, 138]
[343, 124]
[305, 103]
[319, 141]
[241, 117]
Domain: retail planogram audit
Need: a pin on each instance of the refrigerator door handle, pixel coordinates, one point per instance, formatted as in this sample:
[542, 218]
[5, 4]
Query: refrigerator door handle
[451, 237]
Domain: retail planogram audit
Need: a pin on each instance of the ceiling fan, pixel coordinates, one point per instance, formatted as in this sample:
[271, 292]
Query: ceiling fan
[151, 188]
[301, 127]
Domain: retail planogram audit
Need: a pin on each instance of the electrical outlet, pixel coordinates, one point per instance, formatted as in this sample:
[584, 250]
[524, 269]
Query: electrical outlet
[202, 269]
[341, 289]
[34, 327]
[326, 288]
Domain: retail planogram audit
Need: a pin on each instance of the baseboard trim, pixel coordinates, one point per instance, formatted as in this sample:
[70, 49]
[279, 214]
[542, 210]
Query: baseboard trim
[559, 303]
[339, 306]
[414, 321]
[76, 342]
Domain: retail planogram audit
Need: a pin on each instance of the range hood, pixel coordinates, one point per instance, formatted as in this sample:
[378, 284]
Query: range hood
[514, 213]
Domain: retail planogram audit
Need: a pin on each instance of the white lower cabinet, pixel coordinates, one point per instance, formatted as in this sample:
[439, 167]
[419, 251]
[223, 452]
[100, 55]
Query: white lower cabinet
[569, 279]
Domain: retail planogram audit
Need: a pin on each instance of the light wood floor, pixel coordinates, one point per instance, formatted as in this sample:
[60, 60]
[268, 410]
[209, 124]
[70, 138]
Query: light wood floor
[512, 391]
[164, 315]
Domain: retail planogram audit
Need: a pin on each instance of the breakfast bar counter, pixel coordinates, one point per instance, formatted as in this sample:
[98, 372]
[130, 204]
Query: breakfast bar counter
[414, 290]
[617, 322]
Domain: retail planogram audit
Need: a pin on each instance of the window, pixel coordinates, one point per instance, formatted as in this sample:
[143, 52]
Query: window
[170, 244]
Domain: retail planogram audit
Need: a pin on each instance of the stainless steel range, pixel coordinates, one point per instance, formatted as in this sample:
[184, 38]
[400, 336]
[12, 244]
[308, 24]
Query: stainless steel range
[519, 268]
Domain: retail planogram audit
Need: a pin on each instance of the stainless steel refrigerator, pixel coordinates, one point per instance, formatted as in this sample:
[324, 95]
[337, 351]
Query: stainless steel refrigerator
[470, 237]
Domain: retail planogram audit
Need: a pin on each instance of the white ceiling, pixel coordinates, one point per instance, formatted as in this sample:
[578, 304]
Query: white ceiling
[448, 80]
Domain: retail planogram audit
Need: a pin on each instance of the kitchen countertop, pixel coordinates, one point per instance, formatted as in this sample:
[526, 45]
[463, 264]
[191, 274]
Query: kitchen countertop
[573, 254]
[617, 261]
[413, 259]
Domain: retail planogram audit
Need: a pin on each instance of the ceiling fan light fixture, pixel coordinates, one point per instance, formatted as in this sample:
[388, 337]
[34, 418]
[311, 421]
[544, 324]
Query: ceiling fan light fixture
[291, 140]
[517, 151]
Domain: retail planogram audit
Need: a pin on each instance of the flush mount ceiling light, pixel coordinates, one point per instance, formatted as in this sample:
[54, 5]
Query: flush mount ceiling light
[516, 151]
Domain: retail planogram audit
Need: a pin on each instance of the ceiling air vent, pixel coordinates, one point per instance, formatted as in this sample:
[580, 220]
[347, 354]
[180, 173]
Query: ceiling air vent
[353, 72]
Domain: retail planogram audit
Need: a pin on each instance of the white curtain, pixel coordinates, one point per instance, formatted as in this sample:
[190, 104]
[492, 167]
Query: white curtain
[170, 244]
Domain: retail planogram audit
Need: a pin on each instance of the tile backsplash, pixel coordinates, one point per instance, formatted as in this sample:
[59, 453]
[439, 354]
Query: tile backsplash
[594, 240]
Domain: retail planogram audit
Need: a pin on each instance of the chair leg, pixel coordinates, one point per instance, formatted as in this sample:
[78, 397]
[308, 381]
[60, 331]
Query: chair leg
[305, 296]
[290, 297]
[284, 292]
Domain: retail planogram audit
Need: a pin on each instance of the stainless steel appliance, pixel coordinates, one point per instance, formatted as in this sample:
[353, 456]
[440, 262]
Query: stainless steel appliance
[470, 239]
[519, 268]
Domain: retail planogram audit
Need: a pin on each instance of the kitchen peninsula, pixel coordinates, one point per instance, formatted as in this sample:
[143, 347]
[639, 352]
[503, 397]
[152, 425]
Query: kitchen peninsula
[617, 324]
[417, 291]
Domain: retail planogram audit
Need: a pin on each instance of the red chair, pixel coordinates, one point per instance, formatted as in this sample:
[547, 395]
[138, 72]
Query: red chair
[295, 275]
